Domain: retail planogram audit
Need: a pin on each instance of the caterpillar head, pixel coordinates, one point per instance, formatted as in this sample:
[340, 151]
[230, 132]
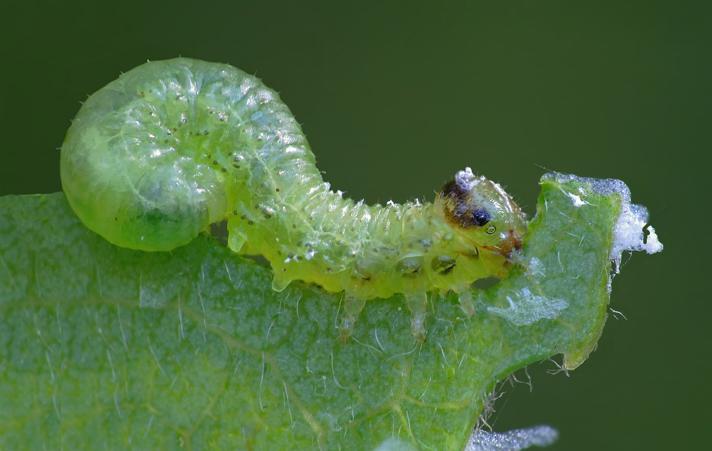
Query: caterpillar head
[482, 213]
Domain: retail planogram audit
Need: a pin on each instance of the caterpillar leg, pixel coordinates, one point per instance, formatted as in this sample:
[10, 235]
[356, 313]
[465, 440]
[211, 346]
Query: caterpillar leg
[352, 309]
[280, 281]
[418, 305]
[235, 240]
[467, 304]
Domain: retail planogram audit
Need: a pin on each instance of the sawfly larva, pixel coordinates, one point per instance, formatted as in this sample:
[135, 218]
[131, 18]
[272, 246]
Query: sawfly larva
[171, 147]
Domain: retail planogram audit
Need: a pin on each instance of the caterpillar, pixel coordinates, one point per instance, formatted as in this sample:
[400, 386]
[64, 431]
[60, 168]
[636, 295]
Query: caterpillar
[170, 147]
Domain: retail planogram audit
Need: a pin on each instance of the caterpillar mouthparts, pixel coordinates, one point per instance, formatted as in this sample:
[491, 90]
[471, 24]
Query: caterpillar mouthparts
[170, 147]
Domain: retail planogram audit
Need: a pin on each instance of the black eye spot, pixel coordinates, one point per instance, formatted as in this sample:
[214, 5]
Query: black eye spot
[481, 216]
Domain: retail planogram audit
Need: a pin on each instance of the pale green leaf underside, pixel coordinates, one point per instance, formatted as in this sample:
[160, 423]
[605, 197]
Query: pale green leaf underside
[107, 348]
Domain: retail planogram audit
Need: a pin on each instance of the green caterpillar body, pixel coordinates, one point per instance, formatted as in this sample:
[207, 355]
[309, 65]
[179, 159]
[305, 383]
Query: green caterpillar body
[170, 147]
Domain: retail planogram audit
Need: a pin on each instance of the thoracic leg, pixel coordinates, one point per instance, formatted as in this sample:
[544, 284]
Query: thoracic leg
[352, 308]
[235, 239]
[418, 305]
[279, 282]
[464, 295]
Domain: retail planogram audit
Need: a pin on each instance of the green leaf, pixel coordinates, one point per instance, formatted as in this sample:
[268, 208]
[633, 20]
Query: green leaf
[102, 347]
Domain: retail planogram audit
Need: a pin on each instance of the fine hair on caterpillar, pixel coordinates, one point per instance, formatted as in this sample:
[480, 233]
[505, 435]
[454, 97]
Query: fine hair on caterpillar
[155, 157]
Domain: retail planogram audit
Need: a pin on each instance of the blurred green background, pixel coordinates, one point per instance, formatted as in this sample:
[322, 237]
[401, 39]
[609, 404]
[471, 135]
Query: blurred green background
[395, 97]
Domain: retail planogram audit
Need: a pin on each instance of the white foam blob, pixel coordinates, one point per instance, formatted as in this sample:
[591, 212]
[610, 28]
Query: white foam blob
[629, 233]
[513, 440]
[576, 199]
[526, 308]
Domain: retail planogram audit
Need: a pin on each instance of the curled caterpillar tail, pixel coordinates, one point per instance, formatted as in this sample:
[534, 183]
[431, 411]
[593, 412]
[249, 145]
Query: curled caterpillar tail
[170, 147]
[133, 163]
[147, 161]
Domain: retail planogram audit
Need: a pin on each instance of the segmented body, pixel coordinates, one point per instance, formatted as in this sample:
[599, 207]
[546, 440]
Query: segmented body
[156, 156]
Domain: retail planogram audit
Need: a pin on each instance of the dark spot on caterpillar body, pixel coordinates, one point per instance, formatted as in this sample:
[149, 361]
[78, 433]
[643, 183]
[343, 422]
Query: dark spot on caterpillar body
[485, 283]
[443, 264]
[410, 266]
[243, 163]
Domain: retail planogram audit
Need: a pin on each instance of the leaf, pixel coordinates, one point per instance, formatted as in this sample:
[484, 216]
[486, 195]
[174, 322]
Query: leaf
[102, 347]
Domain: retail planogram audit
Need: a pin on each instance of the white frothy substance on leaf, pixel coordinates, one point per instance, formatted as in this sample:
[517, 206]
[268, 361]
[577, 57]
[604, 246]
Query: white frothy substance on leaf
[513, 440]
